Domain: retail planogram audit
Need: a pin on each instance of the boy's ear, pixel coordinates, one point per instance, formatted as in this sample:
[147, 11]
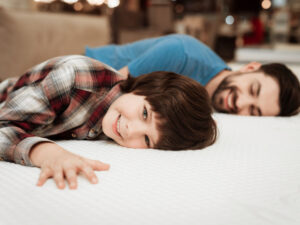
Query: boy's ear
[250, 67]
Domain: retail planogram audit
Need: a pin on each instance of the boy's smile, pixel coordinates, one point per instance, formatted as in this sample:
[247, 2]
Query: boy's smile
[116, 126]
[130, 122]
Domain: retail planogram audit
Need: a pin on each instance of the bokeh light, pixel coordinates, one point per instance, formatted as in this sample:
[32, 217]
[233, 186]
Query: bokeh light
[266, 4]
[113, 3]
[95, 2]
[229, 20]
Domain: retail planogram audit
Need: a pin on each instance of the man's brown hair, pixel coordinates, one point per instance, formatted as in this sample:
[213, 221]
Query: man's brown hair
[289, 96]
[183, 107]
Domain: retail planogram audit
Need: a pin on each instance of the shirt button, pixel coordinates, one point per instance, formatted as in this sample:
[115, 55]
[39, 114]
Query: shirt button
[92, 133]
[73, 135]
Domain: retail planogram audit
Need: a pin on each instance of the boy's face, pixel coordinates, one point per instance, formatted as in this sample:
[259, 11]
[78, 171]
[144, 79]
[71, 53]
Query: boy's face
[130, 122]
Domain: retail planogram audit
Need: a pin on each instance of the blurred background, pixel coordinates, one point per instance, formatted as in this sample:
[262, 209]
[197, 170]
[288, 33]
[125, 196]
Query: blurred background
[238, 30]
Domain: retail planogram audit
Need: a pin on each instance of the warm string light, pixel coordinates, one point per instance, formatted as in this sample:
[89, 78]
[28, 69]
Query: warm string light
[266, 4]
[95, 2]
[78, 6]
[44, 1]
[113, 3]
[70, 1]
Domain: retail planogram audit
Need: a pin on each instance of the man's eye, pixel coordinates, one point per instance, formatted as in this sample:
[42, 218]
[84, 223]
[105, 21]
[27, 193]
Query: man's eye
[252, 90]
[147, 141]
[145, 113]
[252, 110]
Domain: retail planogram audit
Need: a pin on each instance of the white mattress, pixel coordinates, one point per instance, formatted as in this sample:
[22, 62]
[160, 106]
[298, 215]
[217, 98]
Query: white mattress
[251, 176]
[284, 54]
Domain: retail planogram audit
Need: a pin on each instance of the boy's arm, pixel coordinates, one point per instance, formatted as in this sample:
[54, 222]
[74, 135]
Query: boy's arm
[36, 103]
[30, 108]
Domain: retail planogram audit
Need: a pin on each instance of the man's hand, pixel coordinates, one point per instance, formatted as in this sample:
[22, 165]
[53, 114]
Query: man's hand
[60, 164]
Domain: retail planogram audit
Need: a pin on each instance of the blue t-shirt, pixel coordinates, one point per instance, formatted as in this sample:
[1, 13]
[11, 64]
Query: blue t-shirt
[176, 53]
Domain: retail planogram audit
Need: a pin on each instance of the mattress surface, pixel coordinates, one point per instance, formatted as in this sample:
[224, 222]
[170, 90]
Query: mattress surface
[251, 176]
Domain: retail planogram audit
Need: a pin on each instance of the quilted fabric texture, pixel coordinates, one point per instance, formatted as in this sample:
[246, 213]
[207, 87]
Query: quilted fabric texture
[251, 176]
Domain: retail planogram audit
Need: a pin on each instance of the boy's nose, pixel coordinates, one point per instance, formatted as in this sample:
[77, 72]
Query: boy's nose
[134, 128]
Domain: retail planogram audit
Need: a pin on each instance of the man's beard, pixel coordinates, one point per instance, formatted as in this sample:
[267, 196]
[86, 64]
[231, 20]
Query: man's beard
[226, 84]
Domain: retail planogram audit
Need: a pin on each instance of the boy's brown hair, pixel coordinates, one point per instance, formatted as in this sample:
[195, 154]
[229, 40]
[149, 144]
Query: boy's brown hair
[183, 106]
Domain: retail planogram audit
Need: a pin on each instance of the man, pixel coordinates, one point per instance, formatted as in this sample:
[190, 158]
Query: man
[255, 89]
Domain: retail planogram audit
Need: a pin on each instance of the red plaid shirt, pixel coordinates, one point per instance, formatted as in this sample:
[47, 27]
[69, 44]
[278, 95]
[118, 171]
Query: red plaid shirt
[64, 97]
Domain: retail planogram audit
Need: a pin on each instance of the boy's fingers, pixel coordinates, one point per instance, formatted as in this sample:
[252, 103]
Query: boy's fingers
[97, 165]
[68, 172]
[71, 177]
[90, 174]
[44, 175]
[59, 179]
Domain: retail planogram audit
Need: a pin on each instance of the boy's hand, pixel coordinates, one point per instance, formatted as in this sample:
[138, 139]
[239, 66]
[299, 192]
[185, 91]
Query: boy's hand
[60, 164]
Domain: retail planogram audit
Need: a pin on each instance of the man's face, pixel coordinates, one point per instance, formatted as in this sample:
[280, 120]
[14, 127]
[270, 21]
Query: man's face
[250, 93]
[130, 122]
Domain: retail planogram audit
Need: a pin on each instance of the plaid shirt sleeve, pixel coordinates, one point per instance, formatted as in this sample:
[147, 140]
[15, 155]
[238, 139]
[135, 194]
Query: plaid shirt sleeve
[32, 103]
[35, 101]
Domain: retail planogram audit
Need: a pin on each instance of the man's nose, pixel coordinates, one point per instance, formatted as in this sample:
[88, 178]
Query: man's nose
[243, 102]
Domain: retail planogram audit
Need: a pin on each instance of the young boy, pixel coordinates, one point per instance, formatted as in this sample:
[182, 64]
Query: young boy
[75, 97]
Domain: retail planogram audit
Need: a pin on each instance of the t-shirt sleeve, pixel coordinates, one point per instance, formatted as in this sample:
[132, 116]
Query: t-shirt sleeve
[166, 55]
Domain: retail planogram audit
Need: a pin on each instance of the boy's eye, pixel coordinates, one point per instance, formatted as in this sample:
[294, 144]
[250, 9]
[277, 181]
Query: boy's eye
[147, 141]
[145, 113]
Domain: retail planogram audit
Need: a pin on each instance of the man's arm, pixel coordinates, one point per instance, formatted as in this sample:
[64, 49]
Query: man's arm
[166, 55]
